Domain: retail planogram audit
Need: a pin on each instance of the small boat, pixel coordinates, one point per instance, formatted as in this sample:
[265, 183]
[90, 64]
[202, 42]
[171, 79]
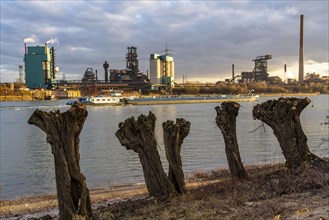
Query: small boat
[105, 100]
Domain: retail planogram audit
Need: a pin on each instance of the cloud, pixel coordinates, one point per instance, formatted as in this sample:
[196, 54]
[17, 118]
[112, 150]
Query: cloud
[79, 49]
[206, 37]
[32, 39]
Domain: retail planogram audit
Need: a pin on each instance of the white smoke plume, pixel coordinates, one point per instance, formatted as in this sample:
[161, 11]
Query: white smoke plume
[31, 39]
[52, 41]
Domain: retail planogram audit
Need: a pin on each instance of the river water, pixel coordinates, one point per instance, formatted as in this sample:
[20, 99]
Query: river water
[27, 164]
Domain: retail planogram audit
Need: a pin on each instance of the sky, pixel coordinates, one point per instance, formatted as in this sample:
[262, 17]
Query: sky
[204, 37]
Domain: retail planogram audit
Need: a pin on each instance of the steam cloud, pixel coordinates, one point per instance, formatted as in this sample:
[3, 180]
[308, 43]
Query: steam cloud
[52, 41]
[31, 39]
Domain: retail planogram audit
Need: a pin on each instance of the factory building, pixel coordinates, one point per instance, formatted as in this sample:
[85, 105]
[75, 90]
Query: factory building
[259, 72]
[162, 69]
[130, 76]
[40, 67]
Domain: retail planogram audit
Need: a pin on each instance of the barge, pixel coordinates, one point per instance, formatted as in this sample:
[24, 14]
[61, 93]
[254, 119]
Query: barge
[189, 99]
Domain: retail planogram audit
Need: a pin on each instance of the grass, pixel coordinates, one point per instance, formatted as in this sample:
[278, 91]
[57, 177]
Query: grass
[270, 192]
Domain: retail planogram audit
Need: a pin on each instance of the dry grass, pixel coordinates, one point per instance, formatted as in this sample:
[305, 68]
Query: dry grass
[270, 192]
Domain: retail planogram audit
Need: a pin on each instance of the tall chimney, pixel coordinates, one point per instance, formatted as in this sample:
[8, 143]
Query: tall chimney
[301, 51]
[233, 73]
[46, 47]
[25, 48]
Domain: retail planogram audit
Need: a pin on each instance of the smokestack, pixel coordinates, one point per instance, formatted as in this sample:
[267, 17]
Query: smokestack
[285, 68]
[233, 73]
[46, 46]
[301, 51]
[25, 48]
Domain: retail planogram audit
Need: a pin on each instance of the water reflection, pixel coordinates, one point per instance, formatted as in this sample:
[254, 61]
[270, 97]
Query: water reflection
[27, 163]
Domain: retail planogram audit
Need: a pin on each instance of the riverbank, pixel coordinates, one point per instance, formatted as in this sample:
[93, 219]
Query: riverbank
[38, 94]
[303, 94]
[271, 192]
[29, 97]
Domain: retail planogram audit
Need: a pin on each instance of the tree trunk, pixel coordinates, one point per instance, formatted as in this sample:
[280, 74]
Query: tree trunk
[63, 130]
[283, 116]
[226, 121]
[139, 136]
[173, 136]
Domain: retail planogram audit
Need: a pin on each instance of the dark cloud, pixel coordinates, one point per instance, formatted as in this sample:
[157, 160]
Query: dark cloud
[206, 37]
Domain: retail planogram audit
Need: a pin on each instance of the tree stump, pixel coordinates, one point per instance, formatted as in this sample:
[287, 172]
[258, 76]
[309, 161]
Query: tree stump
[173, 136]
[138, 135]
[226, 121]
[63, 130]
[283, 116]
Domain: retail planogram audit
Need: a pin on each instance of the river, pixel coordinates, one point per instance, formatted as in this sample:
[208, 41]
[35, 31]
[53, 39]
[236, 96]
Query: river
[27, 164]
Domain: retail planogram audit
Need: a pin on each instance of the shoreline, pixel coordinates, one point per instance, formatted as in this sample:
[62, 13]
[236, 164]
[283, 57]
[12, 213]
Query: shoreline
[47, 203]
[209, 192]
[26, 98]
[41, 205]
[290, 94]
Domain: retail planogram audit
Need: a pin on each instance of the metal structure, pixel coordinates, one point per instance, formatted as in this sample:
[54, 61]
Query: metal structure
[106, 71]
[260, 69]
[259, 72]
[89, 76]
[52, 63]
[131, 74]
[132, 61]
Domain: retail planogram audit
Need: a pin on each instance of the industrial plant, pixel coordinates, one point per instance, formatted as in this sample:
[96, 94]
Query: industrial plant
[162, 70]
[40, 66]
[259, 72]
[41, 70]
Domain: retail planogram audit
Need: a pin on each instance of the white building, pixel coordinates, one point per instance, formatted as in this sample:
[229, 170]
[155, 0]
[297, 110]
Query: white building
[162, 70]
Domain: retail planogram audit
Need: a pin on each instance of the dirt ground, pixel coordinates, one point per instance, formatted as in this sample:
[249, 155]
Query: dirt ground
[270, 192]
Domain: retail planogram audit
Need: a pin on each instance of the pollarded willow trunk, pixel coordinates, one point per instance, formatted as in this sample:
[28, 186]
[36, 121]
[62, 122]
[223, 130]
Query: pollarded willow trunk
[226, 121]
[173, 136]
[283, 116]
[138, 135]
[63, 130]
